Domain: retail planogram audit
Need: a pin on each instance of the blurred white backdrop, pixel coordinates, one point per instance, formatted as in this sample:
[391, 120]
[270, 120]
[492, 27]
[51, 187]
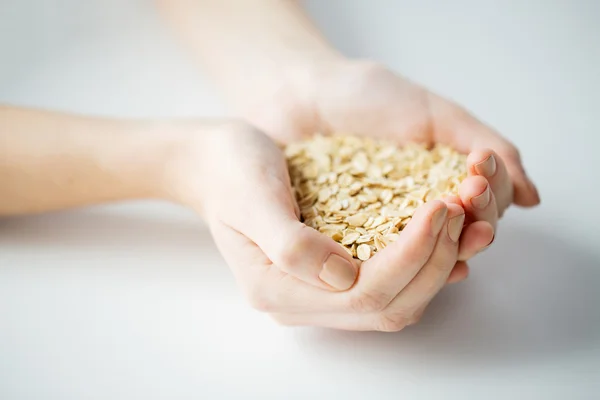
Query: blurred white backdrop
[133, 301]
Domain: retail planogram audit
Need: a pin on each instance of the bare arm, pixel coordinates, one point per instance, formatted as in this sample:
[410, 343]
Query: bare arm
[51, 161]
[252, 49]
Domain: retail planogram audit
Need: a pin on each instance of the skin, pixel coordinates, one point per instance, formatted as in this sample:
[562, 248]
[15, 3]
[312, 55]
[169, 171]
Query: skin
[288, 84]
[53, 161]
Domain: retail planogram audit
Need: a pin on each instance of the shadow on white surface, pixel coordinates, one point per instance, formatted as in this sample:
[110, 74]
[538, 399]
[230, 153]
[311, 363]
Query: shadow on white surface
[106, 227]
[531, 296]
[155, 242]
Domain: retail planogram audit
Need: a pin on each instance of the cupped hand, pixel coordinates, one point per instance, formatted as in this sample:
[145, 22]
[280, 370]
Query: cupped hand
[365, 98]
[237, 179]
[391, 292]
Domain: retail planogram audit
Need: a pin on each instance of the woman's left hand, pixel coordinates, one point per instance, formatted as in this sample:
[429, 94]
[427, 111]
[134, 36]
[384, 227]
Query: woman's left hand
[365, 98]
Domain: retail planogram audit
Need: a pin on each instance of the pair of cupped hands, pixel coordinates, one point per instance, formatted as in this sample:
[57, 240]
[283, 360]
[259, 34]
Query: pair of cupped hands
[302, 277]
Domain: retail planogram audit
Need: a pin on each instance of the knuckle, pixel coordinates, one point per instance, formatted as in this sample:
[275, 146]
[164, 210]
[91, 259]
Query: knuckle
[444, 260]
[391, 322]
[478, 182]
[434, 281]
[420, 254]
[437, 266]
[282, 319]
[294, 244]
[510, 151]
[259, 299]
[288, 256]
[364, 302]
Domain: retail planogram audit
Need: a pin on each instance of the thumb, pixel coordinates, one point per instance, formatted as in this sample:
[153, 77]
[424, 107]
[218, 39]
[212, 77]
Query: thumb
[267, 216]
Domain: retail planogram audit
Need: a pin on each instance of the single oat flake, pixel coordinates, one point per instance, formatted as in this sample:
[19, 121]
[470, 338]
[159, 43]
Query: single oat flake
[362, 192]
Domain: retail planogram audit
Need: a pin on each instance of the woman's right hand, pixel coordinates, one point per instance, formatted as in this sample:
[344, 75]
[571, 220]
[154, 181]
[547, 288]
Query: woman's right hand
[237, 178]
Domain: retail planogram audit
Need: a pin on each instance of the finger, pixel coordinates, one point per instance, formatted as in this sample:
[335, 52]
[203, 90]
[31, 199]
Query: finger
[459, 273]
[525, 191]
[478, 200]
[418, 314]
[434, 274]
[390, 270]
[453, 199]
[366, 322]
[489, 165]
[470, 243]
[266, 287]
[469, 134]
[504, 162]
[339, 321]
[346, 322]
[475, 238]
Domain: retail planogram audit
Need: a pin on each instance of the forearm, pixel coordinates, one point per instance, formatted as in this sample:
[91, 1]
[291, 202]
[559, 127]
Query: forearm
[51, 161]
[250, 47]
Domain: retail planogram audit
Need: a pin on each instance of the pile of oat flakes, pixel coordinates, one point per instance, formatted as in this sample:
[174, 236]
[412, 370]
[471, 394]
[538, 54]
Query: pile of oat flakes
[362, 192]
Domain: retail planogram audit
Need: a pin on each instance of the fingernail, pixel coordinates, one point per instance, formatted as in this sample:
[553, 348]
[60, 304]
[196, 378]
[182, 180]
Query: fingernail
[481, 201]
[534, 190]
[437, 220]
[489, 244]
[338, 272]
[455, 226]
[486, 167]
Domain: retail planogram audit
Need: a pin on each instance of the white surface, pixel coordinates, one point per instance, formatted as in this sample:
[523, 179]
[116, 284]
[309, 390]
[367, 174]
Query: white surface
[133, 301]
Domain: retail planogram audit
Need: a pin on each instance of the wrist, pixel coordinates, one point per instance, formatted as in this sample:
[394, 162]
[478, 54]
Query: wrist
[188, 163]
[294, 87]
[203, 165]
[140, 159]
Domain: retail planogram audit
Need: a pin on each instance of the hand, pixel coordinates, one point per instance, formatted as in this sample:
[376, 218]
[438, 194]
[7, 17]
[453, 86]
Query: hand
[291, 83]
[236, 177]
[367, 99]
[392, 290]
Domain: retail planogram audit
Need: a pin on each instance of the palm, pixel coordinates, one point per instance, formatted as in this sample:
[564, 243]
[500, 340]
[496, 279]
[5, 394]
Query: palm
[367, 99]
[372, 101]
[379, 104]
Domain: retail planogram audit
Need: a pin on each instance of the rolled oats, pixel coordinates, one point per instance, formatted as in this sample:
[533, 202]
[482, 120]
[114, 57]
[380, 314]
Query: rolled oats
[362, 192]
[363, 252]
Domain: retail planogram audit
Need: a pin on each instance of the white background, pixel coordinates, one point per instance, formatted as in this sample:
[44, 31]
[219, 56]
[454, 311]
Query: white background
[133, 301]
